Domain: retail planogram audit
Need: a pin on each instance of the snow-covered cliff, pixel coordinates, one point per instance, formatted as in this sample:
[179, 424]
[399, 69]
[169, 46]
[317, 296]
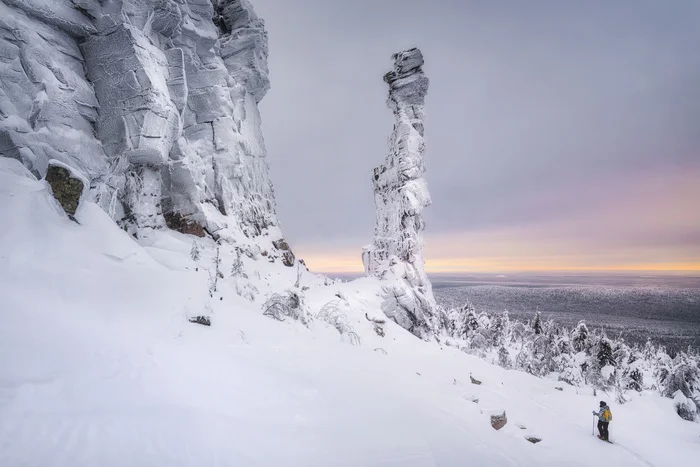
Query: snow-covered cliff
[400, 194]
[154, 101]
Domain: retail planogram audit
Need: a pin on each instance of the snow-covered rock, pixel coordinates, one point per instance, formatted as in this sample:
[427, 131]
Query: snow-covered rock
[47, 107]
[154, 101]
[400, 195]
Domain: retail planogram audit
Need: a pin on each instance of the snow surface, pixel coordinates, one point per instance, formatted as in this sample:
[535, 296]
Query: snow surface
[100, 367]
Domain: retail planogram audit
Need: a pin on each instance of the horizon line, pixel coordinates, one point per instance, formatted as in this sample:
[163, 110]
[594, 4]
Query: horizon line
[661, 272]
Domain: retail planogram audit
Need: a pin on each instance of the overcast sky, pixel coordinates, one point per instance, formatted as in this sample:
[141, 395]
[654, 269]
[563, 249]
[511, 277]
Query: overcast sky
[559, 134]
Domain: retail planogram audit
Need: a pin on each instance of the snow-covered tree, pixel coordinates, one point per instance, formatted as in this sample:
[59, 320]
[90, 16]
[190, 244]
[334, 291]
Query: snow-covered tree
[237, 266]
[194, 251]
[537, 323]
[504, 359]
[471, 322]
[579, 337]
[684, 376]
[605, 353]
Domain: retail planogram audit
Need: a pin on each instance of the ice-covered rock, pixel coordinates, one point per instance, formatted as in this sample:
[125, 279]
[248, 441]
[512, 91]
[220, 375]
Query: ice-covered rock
[155, 101]
[400, 194]
[47, 106]
[244, 45]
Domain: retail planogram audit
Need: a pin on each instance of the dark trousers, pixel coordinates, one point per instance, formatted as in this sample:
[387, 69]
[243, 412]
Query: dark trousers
[603, 429]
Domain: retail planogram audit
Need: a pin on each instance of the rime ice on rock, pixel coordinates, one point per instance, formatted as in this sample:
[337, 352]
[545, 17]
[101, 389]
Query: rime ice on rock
[155, 101]
[400, 194]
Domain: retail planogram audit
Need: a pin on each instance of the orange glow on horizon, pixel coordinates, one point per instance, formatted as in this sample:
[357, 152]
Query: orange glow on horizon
[348, 264]
[651, 225]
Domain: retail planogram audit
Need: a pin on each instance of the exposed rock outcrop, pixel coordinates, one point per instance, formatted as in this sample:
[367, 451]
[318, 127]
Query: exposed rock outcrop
[66, 187]
[155, 101]
[400, 195]
[288, 258]
[499, 420]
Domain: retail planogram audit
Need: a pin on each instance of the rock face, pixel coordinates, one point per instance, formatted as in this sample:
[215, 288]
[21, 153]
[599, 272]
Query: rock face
[155, 101]
[400, 195]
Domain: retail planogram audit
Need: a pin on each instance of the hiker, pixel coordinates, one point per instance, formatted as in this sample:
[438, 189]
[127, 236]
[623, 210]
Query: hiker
[604, 419]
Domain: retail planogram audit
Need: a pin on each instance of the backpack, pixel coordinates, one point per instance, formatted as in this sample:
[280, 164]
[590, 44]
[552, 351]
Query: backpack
[607, 415]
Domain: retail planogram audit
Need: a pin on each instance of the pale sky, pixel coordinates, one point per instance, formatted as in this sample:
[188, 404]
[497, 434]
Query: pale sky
[560, 135]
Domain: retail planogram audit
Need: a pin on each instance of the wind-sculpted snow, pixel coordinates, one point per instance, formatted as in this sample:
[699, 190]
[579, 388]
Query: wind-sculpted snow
[400, 194]
[154, 101]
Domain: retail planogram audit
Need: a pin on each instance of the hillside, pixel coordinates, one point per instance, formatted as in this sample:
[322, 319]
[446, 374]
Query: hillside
[100, 366]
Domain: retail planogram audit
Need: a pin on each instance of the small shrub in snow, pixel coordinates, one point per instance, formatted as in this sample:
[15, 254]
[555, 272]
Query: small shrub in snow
[194, 251]
[237, 266]
[285, 306]
[203, 320]
[298, 281]
[333, 314]
[217, 274]
[378, 325]
[246, 290]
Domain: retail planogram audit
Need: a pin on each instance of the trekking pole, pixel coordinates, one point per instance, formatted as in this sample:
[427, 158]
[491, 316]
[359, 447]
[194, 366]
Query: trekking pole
[593, 428]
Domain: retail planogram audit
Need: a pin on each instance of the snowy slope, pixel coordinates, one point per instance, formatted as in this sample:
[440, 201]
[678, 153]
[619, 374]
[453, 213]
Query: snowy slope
[100, 367]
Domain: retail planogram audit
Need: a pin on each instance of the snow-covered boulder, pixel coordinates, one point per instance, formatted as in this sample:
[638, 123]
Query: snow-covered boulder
[400, 194]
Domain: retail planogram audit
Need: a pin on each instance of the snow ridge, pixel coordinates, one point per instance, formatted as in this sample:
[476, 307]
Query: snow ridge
[400, 195]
